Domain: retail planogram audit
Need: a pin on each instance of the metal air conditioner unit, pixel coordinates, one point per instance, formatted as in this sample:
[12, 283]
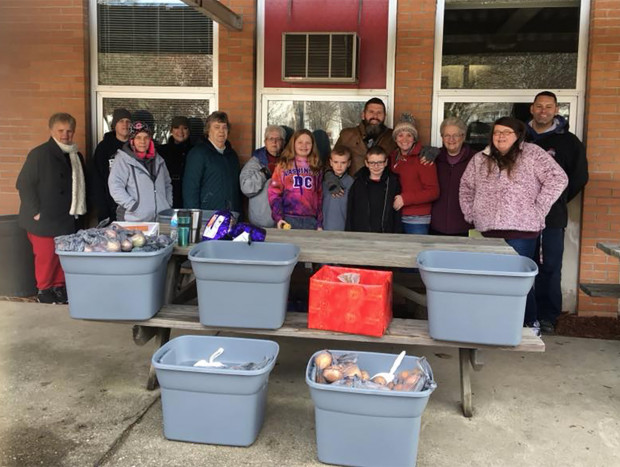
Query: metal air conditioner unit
[320, 57]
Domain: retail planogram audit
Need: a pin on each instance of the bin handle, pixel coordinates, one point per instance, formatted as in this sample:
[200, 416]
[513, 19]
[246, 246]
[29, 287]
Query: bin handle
[161, 357]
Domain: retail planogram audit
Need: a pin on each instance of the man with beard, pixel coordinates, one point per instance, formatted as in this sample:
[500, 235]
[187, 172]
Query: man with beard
[369, 133]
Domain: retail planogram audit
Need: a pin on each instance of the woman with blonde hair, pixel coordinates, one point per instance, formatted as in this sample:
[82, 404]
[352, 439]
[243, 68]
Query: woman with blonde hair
[296, 192]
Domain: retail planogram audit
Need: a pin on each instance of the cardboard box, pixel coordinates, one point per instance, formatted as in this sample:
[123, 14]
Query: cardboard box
[148, 228]
[364, 308]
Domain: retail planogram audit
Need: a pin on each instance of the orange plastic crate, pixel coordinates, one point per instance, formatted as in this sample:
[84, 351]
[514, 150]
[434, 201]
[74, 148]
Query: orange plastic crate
[364, 308]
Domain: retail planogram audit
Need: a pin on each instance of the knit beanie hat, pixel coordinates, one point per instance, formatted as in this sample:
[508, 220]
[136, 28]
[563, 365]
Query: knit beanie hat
[406, 123]
[139, 127]
[178, 121]
[118, 115]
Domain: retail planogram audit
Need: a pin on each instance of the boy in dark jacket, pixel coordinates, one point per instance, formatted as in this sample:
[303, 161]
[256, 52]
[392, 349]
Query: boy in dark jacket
[371, 198]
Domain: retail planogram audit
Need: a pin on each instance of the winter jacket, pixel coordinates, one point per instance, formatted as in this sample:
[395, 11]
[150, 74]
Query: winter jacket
[446, 215]
[519, 202]
[353, 138]
[211, 179]
[98, 173]
[296, 191]
[570, 153]
[254, 181]
[44, 185]
[359, 203]
[139, 195]
[174, 155]
[335, 208]
[418, 182]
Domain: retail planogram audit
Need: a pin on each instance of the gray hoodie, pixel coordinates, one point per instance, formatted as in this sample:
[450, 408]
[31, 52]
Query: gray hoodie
[254, 185]
[139, 197]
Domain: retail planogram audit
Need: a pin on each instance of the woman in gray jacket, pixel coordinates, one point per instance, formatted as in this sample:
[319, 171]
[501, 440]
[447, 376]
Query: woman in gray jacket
[139, 181]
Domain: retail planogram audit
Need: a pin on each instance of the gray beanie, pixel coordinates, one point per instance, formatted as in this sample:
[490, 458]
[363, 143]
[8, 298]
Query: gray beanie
[406, 123]
[118, 115]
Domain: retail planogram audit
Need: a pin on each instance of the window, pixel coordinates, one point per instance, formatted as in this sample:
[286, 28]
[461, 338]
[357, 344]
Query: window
[154, 57]
[494, 57]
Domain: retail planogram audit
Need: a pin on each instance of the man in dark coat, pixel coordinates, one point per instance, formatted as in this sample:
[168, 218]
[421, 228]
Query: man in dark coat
[99, 170]
[52, 191]
[549, 130]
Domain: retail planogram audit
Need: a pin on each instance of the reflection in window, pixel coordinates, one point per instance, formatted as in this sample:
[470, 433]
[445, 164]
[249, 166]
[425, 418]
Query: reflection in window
[499, 46]
[158, 114]
[479, 117]
[147, 43]
[329, 116]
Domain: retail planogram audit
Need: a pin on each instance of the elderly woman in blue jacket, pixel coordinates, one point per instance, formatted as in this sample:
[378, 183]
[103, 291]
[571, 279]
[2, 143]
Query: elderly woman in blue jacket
[139, 181]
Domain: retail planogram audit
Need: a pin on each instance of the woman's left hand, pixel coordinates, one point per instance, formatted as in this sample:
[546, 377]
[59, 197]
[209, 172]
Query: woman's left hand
[398, 202]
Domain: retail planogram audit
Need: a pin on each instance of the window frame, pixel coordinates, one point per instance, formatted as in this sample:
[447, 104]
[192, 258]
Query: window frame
[264, 94]
[575, 97]
[99, 92]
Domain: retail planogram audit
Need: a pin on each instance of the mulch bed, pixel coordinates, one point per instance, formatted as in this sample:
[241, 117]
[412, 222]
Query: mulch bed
[569, 324]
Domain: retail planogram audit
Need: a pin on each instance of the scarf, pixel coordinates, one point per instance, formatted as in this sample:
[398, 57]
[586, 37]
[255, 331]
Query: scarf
[149, 154]
[78, 185]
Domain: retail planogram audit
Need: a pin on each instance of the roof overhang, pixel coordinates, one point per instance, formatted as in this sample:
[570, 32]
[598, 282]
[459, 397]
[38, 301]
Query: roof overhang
[217, 12]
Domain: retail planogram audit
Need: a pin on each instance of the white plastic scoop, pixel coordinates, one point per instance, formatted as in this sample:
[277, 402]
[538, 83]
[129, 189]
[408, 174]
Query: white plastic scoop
[389, 377]
[212, 362]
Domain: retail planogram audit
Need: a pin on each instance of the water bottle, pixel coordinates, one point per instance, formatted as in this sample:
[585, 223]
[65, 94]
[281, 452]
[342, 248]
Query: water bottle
[174, 225]
[184, 223]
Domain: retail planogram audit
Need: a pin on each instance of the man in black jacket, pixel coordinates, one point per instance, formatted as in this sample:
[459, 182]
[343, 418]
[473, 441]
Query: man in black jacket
[52, 191]
[549, 130]
[102, 161]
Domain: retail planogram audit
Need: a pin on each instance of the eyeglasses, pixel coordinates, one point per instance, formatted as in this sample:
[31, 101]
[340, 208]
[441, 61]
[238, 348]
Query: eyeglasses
[273, 140]
[376, 163]
[457, 136]
[503, 133]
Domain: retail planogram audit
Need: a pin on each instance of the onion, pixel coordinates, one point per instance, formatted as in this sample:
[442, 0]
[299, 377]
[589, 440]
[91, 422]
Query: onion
[379, 380]
[113, 246]
[365, 375]
[332, 374]
[110, 233]
[138, 240]
[126, 245]
[323, 360]
[352, 370]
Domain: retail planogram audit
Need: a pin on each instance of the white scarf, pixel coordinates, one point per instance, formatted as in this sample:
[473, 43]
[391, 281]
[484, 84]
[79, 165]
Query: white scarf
[78, 185]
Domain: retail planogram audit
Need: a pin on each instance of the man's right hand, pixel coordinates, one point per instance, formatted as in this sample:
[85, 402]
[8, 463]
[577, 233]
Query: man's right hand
[37, 217]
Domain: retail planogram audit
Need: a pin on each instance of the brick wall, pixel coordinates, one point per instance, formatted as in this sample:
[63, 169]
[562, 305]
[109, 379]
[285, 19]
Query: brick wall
[413, 83]
[43, 70]
[237, 92]
[601, 205]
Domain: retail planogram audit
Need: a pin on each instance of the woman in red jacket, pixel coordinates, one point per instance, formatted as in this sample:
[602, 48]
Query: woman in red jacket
[418, 182]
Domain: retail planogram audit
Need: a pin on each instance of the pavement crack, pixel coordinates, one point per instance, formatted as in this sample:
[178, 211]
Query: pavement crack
[120, 439]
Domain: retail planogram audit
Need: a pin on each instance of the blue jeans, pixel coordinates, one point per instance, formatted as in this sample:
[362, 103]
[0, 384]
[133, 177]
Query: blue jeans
[420, 229]
[526, 247]
[301, 222]
[548, 286]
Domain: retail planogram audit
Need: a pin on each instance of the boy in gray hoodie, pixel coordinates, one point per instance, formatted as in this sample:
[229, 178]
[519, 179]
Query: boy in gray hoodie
[336, 184]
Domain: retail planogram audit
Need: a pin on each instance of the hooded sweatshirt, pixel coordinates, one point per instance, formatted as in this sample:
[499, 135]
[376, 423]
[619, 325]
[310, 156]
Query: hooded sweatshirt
[98, 173]
[174, 155]
[570, 154]
[140, 191]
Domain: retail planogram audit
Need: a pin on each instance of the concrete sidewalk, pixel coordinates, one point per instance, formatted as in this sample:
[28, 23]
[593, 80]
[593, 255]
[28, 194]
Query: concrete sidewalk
[73, 393]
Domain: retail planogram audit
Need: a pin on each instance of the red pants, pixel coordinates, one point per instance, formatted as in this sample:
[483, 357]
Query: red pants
[47, 269]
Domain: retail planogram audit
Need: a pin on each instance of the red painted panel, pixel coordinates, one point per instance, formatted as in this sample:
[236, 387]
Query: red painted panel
[329, 16]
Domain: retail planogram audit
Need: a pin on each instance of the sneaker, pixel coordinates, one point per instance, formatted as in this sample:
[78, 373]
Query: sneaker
[535, 326]
[47, 296]
[547, 327]
[61, 295]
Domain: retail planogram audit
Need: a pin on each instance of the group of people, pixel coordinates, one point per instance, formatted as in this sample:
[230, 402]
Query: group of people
[376, 180]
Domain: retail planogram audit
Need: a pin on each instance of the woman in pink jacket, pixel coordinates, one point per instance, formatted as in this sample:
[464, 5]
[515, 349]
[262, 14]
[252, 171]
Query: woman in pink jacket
[508, 189]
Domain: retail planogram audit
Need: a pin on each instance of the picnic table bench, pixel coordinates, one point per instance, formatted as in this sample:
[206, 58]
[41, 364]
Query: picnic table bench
[350, 248]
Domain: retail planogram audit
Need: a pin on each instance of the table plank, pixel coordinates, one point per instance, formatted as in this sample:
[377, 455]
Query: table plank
[601, 290]
[612, 249]
[371, 249]
[401, 331]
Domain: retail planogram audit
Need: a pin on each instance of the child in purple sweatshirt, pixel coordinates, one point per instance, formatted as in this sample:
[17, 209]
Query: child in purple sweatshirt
[296, 189]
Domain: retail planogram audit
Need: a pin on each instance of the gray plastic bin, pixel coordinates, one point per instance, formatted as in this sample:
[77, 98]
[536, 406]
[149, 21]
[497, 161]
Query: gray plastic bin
[213, 405]
[367, 427]
[241, 285]
[476, 297]
[115, 286]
